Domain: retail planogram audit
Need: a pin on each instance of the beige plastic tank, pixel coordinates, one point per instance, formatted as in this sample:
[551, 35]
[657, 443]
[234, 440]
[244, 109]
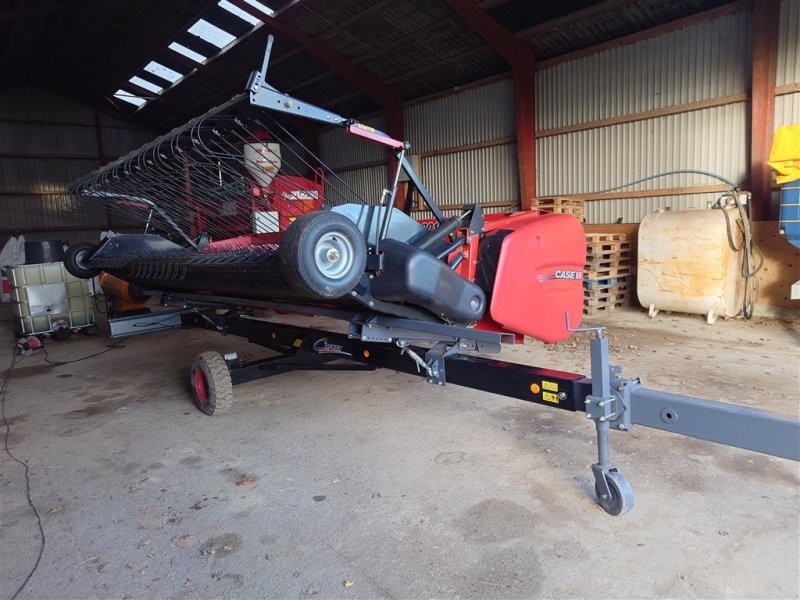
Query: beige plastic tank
[263, 161]
[686, 263]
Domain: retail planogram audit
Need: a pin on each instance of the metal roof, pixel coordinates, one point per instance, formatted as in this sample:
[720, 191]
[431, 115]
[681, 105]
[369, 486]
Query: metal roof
[88, 49]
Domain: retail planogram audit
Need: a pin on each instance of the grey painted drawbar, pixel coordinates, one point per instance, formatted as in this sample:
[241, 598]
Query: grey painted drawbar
[720, 422]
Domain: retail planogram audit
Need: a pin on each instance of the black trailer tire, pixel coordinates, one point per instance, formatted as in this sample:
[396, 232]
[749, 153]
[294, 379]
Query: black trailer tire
[323, 255]
[210, 380]
[76, 258]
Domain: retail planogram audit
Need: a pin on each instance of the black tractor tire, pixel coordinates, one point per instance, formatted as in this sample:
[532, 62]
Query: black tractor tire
[76, 260]
[323, 255]
[210, 380]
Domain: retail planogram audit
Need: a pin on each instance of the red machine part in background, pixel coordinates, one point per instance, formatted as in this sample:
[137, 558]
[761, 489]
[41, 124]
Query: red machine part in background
[292, 196]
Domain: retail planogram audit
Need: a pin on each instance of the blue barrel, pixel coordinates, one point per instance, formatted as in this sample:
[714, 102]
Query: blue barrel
[790, 212]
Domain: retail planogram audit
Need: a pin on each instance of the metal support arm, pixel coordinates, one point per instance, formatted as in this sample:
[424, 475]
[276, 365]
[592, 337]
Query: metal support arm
[720, 422]
[265, 96]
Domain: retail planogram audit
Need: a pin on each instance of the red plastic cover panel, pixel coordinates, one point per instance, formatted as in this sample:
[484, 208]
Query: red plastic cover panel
[539, 277]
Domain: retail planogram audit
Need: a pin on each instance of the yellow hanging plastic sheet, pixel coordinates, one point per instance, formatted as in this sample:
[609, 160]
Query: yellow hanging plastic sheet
[784, 157]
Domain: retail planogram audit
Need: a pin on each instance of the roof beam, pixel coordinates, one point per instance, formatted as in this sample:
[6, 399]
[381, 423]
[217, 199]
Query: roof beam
[333, 31]
[365, 81]
[435, 66]
[580, 15]
[520, 55]
[419, 33]
[490, 4]
[502, 41]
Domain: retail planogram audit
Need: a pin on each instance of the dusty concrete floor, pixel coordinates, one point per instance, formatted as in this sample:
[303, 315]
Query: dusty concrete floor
[377, 478]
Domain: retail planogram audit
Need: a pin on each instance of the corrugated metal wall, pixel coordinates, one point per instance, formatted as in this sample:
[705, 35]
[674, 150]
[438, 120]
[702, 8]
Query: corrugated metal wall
[787, 106]
[787, 110]
[789, 44]
[46, 142]
[340, 149]
[701, 62]
[706, 62]
[596, 160]
[633, 210]
[475, 115]
[481, 117]
[474, 176]
[364, 185]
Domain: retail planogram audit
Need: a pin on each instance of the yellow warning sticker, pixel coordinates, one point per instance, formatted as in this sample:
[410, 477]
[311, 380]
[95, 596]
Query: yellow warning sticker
[298, 342]
[550, 397]
[550, 386]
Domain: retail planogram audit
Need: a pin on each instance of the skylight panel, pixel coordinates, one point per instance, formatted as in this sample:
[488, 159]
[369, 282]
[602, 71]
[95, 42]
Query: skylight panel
[211, 33]
[128, 97]
[262, 7]
[235, 10]
[161, 71]
[143, 83]
[187, 52]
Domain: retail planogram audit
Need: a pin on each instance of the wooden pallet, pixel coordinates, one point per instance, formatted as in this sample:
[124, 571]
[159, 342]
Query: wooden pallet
[591, 310]
[599, 299]
[605, 271]
[625, 257]
[603, 247]
[607, 293]
[561, 205]
[605, 237]
[607, 282]
[608, 255]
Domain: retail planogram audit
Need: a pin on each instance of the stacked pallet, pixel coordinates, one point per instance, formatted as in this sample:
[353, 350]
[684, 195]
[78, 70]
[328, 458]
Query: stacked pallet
[608, 277]
[565, 205]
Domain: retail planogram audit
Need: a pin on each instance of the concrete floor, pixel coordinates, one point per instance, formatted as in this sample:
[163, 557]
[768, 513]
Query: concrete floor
[401, 488]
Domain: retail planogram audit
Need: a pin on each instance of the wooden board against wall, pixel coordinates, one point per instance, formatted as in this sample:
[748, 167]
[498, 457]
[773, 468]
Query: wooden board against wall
[781, 266]
[781, 260]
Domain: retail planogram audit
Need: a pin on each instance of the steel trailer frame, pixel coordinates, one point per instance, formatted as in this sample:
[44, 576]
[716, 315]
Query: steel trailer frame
[375, 341]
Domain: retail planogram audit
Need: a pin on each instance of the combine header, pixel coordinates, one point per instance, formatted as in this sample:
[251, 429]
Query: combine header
[238, 218]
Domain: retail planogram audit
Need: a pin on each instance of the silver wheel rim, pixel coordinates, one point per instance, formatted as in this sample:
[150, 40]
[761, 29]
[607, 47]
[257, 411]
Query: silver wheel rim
[334, 255]
[81, 259]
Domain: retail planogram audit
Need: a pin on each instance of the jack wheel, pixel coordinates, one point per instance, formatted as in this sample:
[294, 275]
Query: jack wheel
[621, 499]
[210, 379]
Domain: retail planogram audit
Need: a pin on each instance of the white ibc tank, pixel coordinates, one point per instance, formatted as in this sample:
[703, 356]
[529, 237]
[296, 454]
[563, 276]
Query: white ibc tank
[686, 263]
[263, 161]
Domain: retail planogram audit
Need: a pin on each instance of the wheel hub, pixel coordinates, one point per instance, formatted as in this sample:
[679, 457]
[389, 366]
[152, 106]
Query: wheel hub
[334, 255]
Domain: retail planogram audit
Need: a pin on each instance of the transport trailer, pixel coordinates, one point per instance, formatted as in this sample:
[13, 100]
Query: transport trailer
[611, 401]
[238, 218]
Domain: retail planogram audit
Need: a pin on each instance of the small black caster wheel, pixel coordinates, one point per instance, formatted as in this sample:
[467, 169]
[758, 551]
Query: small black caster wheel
[210, 380]
[76, 260]
[621, 499]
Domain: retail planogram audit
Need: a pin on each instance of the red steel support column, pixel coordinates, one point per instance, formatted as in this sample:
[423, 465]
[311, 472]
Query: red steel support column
[519, 54]
[762, 106]
[525, 120]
